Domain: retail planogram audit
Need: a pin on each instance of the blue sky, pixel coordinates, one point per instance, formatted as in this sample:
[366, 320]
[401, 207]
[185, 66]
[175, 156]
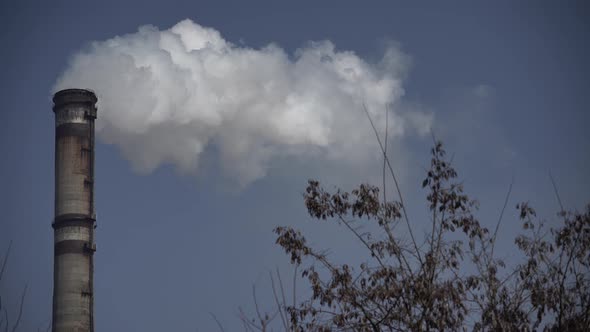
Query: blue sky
[506, 84]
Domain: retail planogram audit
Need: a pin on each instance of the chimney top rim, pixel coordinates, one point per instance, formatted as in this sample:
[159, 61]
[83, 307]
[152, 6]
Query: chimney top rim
[68, 96]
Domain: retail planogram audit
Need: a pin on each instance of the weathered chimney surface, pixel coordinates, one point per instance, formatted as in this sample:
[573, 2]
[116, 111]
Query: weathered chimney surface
[75, 219]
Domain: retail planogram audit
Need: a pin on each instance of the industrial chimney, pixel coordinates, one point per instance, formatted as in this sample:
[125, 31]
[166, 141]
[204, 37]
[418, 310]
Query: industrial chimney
[75, 218]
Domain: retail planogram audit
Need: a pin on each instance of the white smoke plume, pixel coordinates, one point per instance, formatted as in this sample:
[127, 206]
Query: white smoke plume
[165, 96]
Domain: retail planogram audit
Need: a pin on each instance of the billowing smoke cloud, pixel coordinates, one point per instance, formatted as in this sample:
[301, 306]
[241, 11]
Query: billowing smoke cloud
[168, 96]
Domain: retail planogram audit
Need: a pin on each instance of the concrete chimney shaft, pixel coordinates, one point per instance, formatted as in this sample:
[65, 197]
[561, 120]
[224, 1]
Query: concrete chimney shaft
[75, 218]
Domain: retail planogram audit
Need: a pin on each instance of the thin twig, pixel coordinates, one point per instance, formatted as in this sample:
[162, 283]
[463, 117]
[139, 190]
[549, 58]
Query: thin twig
[396, 183]
[6, 318]
[564, 275]
[295, 285]
[256, 305]
[386, 222]
[247, 323]
[570, 256]
[385, 153]
[373, 253]
[217, 321]
[5, 259]
[20, 310]
[556, 192]
[274, 293]
[500, 218]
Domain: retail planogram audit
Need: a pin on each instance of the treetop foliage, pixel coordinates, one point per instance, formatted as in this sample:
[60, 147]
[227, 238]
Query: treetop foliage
[452, 281]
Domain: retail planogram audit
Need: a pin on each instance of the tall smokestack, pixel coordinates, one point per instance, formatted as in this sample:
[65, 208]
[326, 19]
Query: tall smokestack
[75, 218]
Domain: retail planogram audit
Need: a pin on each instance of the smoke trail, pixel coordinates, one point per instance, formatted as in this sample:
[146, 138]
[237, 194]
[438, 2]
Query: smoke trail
[165, 96]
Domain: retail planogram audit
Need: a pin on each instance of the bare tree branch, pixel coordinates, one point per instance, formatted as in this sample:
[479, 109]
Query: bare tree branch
[280, 305]
[556, 192]
[396, 183]
[500, 218]
[5, 259]
[20, 310]
[217, 322]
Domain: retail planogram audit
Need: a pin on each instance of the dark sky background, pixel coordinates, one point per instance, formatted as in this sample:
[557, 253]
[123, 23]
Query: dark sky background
[507, 82]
